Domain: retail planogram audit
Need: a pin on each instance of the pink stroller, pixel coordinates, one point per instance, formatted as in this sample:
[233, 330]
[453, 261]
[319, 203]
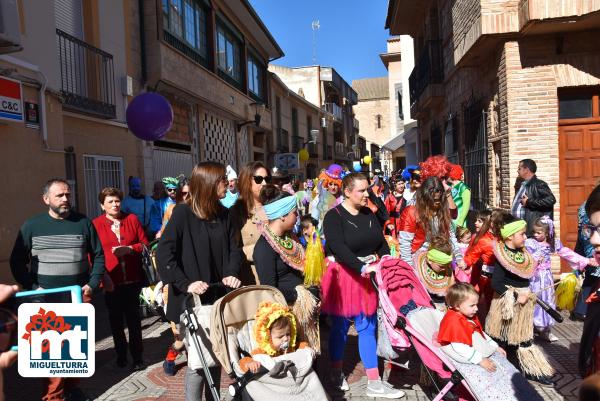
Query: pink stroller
[410, 319]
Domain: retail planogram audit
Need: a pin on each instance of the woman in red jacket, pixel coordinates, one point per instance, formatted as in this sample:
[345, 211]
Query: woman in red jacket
[480, 258]
[122, 237]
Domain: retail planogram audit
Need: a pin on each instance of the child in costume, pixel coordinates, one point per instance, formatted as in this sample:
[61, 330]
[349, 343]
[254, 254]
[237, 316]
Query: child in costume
[461, 333]
[542, 246]
[480, 259]
[274, 333]
[463, 236]
[510, 320]
[478, 358]
[434, 269]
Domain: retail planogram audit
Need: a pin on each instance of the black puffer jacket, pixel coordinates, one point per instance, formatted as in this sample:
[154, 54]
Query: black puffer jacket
[540, 202]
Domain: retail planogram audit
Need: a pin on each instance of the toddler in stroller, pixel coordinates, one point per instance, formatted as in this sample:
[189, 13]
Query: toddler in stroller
[242, 330]
[410, 319]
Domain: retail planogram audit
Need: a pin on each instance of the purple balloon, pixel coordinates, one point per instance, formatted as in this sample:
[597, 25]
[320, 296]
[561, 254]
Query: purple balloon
[149, 116]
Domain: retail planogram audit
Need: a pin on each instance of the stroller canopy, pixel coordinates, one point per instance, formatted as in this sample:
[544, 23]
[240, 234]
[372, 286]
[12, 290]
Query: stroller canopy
[234, 310]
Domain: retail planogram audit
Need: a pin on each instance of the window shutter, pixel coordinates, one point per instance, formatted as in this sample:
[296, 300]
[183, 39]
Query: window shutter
[69, 17]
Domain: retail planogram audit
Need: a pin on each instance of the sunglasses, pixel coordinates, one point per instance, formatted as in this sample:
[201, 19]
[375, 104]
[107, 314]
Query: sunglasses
[258, 179]
[171, 189]
[589, 229]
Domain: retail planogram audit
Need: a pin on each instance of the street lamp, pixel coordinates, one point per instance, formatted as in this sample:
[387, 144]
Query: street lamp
[258, 107]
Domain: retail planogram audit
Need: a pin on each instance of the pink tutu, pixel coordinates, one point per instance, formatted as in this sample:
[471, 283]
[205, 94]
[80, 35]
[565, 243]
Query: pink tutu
[346, 293]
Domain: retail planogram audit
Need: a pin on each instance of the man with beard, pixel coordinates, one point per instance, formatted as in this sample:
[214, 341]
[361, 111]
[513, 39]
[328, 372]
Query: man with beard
[55, 249]
[137, 203]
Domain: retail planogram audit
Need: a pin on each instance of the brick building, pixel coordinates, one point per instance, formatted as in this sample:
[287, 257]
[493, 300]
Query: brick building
[373, 114]
[498, 81]
[209, 58]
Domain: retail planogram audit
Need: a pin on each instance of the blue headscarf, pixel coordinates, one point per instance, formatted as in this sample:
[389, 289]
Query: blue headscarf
[280, 208]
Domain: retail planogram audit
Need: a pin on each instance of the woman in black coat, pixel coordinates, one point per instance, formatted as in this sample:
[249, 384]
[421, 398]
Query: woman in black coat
[198, 248]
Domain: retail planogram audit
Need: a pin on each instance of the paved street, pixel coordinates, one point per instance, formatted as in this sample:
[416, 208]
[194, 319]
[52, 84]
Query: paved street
[113, 383]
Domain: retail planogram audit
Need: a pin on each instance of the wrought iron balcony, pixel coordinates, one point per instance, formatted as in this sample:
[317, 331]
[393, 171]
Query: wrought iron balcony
[87, 77]
[428, 70]
[334, 109]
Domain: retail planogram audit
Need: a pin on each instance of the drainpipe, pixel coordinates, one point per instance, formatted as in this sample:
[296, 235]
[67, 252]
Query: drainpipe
[42, 94]
[142, 43]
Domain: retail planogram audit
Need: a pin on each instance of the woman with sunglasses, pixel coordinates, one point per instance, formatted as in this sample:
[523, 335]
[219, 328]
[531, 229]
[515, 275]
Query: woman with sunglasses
[198, 249]
[247, 215]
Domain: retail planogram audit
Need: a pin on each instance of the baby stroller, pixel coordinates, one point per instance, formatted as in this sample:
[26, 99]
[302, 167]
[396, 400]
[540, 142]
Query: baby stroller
[410, 319]
[231, 336]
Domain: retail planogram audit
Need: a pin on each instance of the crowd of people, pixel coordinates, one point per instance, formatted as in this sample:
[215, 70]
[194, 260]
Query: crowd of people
[318, 241]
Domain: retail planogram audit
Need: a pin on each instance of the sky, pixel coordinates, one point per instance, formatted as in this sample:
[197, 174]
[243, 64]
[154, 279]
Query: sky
[350, 39]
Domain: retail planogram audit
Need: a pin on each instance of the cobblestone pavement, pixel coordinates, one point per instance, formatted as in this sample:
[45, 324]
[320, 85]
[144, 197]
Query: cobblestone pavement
[120, 384]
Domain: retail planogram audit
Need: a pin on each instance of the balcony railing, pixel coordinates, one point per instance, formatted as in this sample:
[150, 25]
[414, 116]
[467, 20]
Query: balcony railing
[87, 77]
[333, 109]
[297, 142]
[428, 70]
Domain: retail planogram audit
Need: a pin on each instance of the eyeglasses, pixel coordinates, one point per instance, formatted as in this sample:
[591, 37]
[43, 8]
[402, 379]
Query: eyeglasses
[258, 179]
[171, 189]
[587, 230]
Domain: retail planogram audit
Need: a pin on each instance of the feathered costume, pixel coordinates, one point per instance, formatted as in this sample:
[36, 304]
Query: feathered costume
[324, 200]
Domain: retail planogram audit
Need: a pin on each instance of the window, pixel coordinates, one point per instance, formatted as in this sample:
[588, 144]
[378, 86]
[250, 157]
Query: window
[185, 21]
[256, 73]
[100, 172]
[400, 112]
[378, 121]
[228, 55]
[575, 106]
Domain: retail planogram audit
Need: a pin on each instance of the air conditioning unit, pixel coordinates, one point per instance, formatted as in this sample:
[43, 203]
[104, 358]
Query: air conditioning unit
[10, 35]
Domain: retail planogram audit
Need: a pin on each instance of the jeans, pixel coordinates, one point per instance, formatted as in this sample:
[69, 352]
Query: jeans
[195, 384]
[124, 306]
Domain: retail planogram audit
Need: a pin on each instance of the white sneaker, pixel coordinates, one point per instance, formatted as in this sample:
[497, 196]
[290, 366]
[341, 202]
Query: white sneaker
[381, 389]
[340, 382]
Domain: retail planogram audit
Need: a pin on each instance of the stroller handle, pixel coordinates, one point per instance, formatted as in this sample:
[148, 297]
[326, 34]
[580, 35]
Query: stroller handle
[373, 277]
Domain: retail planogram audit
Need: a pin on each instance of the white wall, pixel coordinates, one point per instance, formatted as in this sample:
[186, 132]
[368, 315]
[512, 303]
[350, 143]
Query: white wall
[112, 40]
[39, 40]
[408, 63]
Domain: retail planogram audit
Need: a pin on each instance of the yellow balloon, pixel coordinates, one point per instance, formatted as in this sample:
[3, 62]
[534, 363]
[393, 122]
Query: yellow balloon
[303, 155]
[367, 159]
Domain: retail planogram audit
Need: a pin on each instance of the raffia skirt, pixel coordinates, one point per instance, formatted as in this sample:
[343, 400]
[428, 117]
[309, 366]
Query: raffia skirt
[512, 323]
